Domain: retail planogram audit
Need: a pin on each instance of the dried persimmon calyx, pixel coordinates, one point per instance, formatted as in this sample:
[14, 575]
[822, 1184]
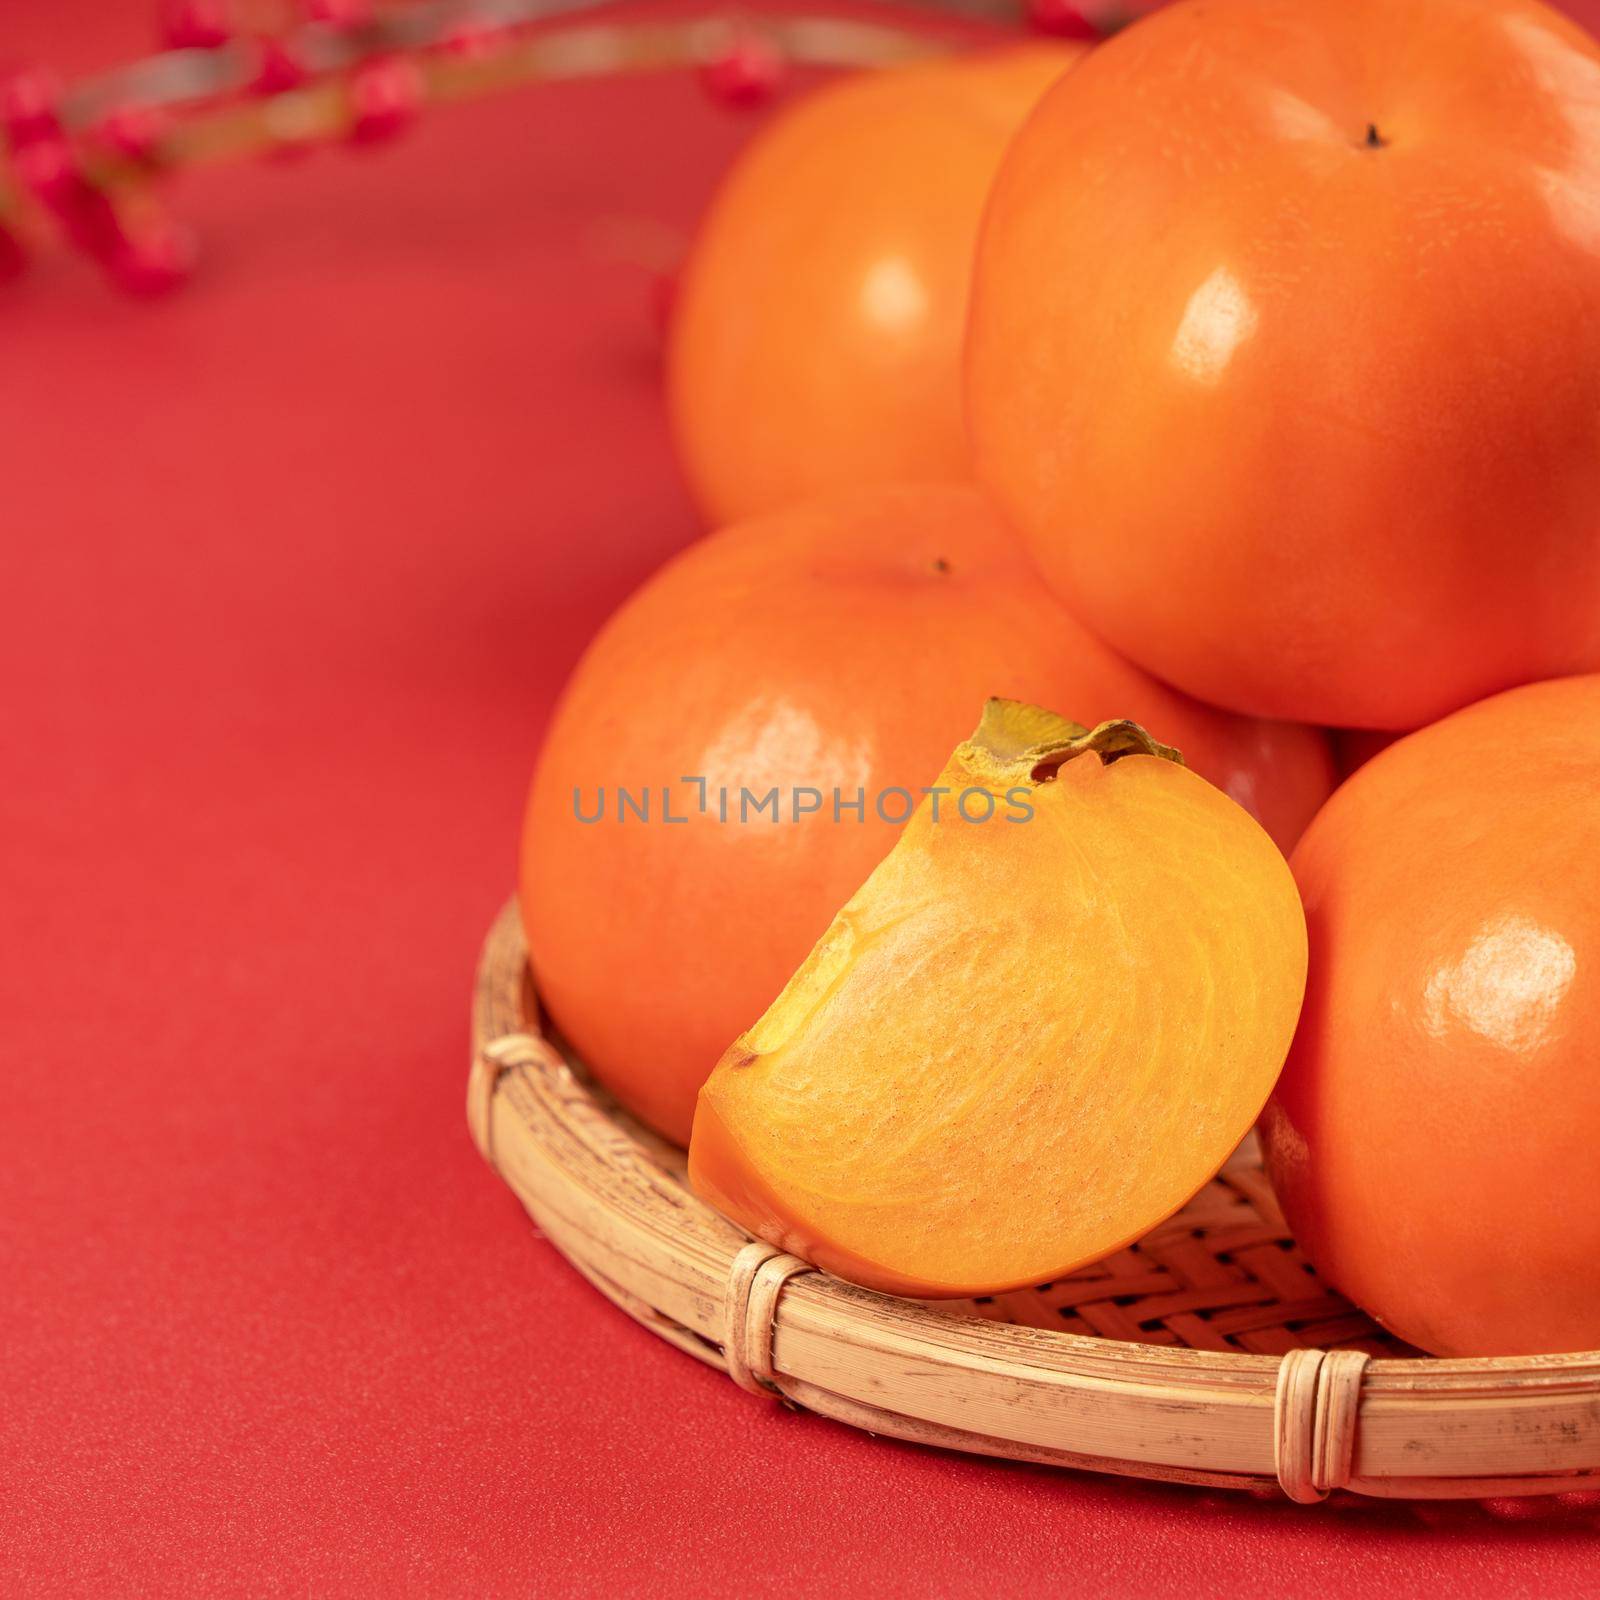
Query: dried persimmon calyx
[1020, 741]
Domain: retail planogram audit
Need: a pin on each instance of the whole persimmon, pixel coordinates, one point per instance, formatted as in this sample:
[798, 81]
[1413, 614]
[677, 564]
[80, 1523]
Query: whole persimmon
[816, 335]
[1040, 1025]
[1435, 1137]
[835, 650]
[1285, 351]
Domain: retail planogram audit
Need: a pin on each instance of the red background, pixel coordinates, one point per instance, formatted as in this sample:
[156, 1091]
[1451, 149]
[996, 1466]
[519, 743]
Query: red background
[294, 563]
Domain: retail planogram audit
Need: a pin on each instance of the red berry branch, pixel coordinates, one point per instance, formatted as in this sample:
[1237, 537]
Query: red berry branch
[263, 77]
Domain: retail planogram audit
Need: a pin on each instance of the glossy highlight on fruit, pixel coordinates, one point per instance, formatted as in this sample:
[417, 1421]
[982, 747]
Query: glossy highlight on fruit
[1038, 1028]
[1435, 1138]
[816, 338]
[836, 648]
[1285, 351]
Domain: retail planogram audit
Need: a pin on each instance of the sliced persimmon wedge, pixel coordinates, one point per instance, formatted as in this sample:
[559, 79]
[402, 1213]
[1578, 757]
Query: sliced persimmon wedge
[1036, 1030]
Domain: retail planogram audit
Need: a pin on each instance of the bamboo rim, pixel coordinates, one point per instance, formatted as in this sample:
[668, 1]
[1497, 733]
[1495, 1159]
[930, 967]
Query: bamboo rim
[1309, 1421]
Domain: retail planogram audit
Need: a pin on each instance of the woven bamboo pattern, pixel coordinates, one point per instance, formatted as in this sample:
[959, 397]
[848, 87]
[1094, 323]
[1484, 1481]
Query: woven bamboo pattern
[1224, 1274]
[1207, 1353]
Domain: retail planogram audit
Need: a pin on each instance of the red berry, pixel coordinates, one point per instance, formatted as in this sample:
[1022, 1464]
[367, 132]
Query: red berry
[133, 132]
[1061, 19]
[28, 107]
[385, 97]
[153, 261]
[745, 74]
[51, 172]
[278, 69]
[195, 24]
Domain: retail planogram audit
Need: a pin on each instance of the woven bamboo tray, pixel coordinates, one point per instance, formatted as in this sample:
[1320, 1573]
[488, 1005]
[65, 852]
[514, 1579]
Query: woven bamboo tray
[1208, 1353]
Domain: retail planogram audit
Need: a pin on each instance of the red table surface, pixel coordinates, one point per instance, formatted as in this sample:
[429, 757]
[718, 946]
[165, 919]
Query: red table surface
[294, 564]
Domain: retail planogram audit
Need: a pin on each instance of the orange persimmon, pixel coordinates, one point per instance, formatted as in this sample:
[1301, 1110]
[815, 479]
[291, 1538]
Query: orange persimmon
[1435, 1138]
[835, 648]
[1285, 351]
[816, 334]
[1041, 1024]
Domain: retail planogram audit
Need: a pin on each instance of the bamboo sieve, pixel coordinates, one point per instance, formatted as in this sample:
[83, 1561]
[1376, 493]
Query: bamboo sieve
[1208, 1353]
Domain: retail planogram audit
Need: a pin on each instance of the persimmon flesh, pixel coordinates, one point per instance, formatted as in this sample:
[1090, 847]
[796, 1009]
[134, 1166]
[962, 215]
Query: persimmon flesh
[1285, 351]
[1028, 1038]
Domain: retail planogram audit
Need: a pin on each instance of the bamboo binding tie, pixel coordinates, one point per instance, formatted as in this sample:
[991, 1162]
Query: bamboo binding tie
[755, 1281]
[499, 1056]
[1314, 1419]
